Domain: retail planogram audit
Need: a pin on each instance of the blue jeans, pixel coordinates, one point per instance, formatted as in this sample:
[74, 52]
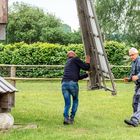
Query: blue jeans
[70, 89]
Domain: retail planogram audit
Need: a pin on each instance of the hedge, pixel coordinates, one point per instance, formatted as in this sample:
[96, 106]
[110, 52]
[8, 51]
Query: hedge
[54, 54]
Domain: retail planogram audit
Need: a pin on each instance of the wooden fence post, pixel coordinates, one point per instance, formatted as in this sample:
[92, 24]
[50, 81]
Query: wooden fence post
[13, 82]
[13, 75]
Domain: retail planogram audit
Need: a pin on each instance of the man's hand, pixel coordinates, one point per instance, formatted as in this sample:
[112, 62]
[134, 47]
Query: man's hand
[125, 79]
[135, 77]
[87, 59]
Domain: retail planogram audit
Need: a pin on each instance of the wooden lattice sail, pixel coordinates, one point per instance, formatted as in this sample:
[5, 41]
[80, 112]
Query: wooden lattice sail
[93, 43]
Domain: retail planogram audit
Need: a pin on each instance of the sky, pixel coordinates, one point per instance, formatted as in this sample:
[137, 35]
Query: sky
[63, 9]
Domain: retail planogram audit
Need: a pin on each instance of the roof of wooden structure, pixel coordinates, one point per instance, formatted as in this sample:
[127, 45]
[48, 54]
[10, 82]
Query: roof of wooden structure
[6, 87]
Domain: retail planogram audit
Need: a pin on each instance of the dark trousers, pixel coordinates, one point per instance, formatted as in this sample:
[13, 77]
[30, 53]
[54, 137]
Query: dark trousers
[136, 105]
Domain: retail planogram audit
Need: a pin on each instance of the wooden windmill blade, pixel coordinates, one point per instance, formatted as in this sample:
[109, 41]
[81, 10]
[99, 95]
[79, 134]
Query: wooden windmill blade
[93, 43]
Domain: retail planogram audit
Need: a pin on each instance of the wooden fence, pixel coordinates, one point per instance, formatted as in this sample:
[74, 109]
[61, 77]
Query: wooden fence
[13, 69]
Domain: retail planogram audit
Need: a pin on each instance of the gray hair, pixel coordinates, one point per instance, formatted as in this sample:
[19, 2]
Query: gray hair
[133, 50]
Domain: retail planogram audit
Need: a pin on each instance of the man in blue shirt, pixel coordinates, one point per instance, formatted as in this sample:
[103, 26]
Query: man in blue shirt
[135, 76]
[70, 86]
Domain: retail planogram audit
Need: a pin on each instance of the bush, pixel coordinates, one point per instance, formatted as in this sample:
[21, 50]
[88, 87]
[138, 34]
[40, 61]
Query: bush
[55, 54]
[115, 52]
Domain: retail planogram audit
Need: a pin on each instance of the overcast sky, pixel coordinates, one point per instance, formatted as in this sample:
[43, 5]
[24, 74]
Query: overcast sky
[63, 9]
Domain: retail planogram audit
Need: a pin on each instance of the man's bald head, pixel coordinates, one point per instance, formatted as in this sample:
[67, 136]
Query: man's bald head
[71, 54]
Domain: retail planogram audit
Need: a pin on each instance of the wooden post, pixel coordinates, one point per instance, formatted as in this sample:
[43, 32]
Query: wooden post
[3, 18]
[13, 82]
[13, 75]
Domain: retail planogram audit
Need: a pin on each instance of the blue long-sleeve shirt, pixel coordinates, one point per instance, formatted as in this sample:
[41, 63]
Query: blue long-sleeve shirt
[135, 70]
[72, 69]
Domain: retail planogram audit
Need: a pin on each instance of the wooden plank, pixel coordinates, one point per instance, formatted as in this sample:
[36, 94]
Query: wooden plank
[49, 66]
[53, 66]
[21, 78]
[3, 11]
[6, 100]
[2, 32]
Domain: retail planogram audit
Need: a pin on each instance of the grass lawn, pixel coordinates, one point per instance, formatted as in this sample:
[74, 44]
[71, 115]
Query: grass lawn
[99, 117]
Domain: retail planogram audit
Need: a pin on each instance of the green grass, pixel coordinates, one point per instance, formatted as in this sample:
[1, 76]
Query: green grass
[99, 117]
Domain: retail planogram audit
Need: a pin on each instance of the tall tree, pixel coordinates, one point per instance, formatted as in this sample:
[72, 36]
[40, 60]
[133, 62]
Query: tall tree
[132, 25]
[26, 23]
[30, 24]
[119, 19]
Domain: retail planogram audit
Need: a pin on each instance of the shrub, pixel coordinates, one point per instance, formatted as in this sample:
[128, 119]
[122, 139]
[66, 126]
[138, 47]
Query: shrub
[55, 54]
[115, 52]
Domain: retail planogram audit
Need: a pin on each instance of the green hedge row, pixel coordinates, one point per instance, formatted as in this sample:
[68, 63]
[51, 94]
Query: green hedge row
[54, 54]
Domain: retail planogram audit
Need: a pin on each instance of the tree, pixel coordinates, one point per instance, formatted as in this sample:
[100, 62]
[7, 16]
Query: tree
[132, 31]
[26, 23]
[31, 24]
[75, 37]
[119, 18]
[66, 28]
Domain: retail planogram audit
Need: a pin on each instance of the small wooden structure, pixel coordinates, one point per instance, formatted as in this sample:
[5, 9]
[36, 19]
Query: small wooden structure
[7, 96]
[7, 91]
